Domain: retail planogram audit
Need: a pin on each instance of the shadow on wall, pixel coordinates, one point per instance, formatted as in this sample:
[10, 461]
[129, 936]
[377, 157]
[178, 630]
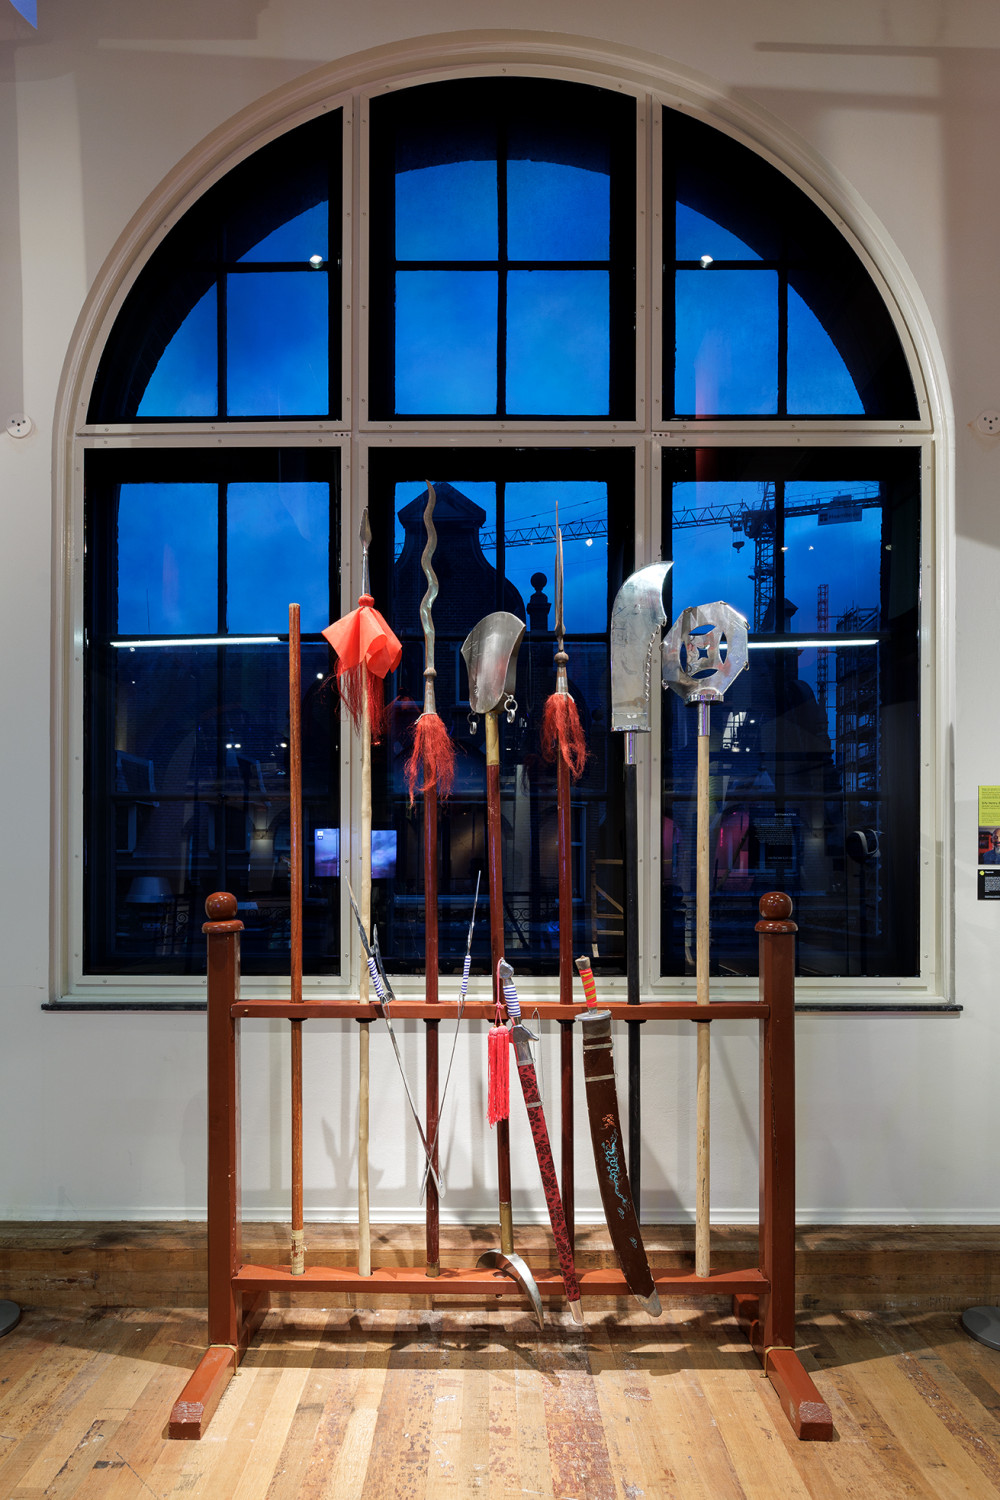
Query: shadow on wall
[958, 203]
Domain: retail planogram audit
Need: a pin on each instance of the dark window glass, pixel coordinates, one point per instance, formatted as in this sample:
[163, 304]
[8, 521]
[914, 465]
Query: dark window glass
[503, 250]
[767, 309]
[277, 344]
[727, 342]
[814, 749]
[447, 322]
[187, 725]
[495, 518]
[237, 313]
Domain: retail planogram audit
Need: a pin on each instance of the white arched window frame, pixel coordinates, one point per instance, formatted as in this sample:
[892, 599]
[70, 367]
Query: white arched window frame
[650, 435]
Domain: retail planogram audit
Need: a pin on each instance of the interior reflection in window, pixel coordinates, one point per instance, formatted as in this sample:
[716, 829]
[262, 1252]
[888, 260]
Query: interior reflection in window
[814, 748]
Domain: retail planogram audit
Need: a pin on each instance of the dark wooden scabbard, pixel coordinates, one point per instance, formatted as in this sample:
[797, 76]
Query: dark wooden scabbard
[609, 1158]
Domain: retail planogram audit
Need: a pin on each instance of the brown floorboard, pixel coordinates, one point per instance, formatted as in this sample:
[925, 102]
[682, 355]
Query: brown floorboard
[413, 1404]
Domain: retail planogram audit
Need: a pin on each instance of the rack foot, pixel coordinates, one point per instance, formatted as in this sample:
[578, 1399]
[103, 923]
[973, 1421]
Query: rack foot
[808, 1413]
[195, 1407]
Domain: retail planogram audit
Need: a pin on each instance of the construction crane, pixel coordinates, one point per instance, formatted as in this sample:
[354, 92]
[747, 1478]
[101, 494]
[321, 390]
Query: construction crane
[757, 520]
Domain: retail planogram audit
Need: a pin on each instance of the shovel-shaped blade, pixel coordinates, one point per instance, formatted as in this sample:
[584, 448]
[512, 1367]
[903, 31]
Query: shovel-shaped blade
[490, 652]
[637, 618]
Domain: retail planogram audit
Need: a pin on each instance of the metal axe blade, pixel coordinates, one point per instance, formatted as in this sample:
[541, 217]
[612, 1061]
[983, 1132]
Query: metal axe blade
[637, 617]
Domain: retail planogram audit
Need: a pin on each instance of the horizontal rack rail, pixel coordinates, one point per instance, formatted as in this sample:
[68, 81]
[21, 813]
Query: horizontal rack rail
[484, 1010]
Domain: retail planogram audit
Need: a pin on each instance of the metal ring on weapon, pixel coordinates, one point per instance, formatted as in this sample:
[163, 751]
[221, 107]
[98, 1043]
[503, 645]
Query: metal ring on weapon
[510, 707]
[473, 724]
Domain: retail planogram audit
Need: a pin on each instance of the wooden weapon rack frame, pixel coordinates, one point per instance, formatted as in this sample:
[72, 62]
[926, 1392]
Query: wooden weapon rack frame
[763, 1295]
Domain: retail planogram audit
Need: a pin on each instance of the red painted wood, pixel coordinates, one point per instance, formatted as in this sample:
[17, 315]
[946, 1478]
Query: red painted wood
[194, 1407]
[431, 964]
[224, 1217]
[413, 1281]
[484, 1010]
[800, 1400]
[564, 846]
[776, 942]
[763, 1296]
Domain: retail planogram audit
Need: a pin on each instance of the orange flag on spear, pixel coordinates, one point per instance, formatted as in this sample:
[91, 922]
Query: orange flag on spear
[367, 651]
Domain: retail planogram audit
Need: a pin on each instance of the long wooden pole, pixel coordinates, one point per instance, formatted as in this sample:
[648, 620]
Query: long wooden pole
[298, 1264]
[495, 868]
[564, 836]
[364, 1027]
[702, 1249]
[432, 1207]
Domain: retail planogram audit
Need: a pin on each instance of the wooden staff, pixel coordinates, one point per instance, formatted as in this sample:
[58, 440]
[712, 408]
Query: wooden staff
[490, 654]
[433, 758]
[702, 1233]
[367, 652]
[705, 648]
[364, 1027]
[563, 741]
[298, 1263]
[494, 858]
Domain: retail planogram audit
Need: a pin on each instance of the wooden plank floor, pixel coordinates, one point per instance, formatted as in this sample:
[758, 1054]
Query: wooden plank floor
[374, 1404]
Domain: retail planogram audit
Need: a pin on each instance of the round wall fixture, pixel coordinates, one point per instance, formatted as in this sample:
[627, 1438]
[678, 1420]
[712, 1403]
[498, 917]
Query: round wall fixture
[19, 425]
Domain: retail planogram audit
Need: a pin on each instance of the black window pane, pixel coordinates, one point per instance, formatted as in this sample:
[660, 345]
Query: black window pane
[189, 343]
[503, 250]
[727, 343]
[558, 348]
[185, 379]
[278, 550]
[168, 559]
[830, 333]
[277, 351]
[495, 524]
[446, 341]
[447, 210]
[814, 749]
[187, 742]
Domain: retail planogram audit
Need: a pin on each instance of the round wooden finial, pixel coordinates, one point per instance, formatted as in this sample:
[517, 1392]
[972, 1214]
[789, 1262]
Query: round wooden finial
[775, 906]
[220, 906]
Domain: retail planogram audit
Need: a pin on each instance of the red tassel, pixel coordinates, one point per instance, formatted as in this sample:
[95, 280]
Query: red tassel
[498, 1091]
[433, 754]
[351, 687]
[562, 733]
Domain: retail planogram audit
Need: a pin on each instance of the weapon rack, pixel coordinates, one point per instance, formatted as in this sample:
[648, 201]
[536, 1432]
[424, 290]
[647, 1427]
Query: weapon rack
[763, 1295]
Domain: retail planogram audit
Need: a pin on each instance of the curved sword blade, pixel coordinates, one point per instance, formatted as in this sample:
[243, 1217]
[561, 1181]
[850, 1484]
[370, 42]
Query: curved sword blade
[609, 1159]
[513, 1265]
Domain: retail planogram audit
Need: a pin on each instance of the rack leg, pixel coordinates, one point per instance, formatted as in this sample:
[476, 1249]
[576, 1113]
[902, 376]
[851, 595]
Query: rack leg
[769, 1322]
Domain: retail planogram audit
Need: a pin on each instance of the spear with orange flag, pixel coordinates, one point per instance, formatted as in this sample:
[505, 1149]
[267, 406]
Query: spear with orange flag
[367, 651]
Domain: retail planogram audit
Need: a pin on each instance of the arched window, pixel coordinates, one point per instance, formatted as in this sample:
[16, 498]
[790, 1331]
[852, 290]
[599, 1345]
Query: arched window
[487, 304]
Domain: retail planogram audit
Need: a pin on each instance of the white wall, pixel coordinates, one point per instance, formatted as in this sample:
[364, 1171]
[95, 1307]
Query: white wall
[104, 1115]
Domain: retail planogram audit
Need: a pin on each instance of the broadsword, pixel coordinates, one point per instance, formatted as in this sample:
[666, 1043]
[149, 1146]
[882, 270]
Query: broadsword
[637, 619]
[522, 1038]
[609, 1157]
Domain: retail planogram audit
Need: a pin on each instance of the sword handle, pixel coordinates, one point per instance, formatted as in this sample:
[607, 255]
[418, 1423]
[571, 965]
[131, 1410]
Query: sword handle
[587, 976]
